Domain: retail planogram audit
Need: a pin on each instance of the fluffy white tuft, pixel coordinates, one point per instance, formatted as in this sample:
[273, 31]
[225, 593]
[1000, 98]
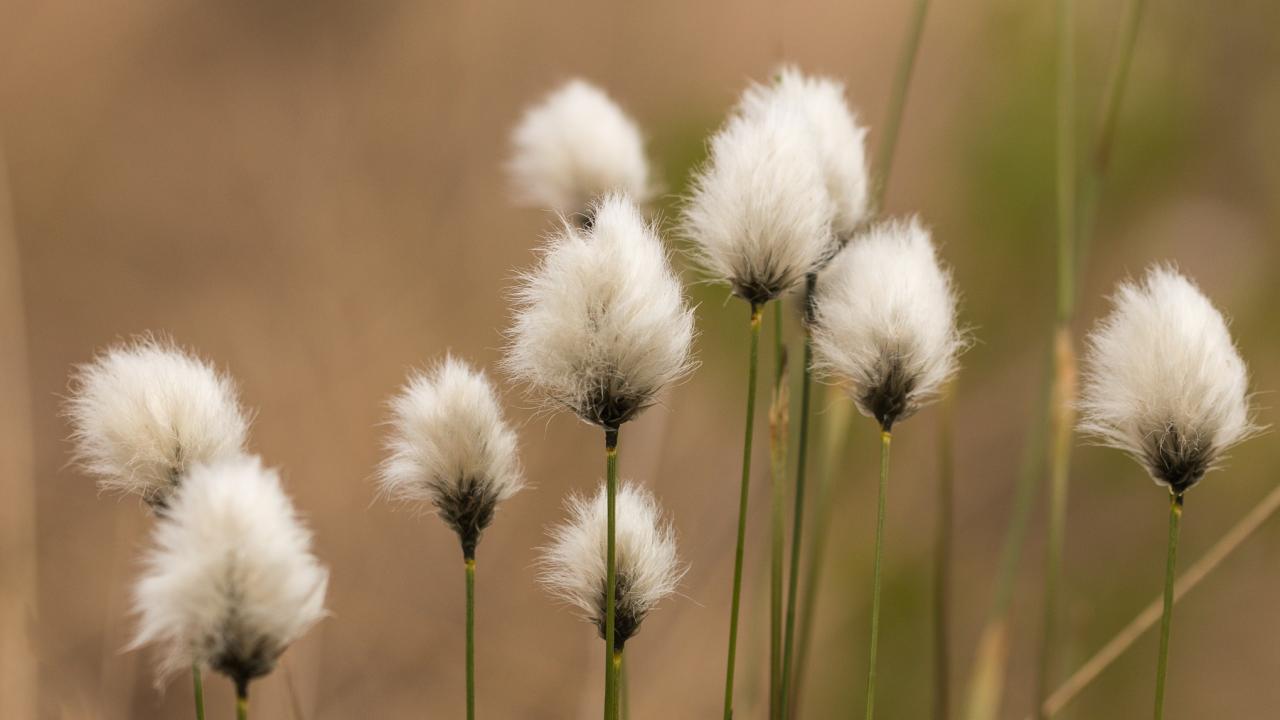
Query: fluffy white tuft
[574, 146]
[450, 446]
[574, 564]
[1163, 380]
[839, 140]
[145, 411]
[760, 214]
[601, 325]
[885, 321]
[230, 581]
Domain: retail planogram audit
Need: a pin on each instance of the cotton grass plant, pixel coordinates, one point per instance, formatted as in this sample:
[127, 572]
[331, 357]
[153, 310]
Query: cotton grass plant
[1165, 384]
[601, 327]
[885, 329]
[450, 449]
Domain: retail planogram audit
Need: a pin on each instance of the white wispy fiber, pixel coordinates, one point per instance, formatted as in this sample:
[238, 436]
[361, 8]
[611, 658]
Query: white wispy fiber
[885, 321]
[574, 566]
[839, 139]
[450, 447]
[143, 412]
[760, 214]
[601, 325]
[1163, 380]
[230, 581]
[574, 146]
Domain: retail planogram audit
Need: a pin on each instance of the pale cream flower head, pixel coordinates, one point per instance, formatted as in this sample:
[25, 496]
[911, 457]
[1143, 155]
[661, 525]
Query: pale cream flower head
[145, 411]
[1163, 380]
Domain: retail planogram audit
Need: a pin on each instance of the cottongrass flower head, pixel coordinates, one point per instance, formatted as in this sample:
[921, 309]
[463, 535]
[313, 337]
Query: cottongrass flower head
[574, 146]
[838, 138]
[885, 321]
[601, 325]
[450, 447]
[760, 214]
[230, 581]
[145, 411]
[1163, 380]
[573, 565]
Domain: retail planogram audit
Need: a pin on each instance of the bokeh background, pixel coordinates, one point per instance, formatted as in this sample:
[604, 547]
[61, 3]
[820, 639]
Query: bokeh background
[311, 194]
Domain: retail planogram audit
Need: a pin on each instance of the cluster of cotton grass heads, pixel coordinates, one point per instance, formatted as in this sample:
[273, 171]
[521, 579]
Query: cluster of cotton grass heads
[229, 581]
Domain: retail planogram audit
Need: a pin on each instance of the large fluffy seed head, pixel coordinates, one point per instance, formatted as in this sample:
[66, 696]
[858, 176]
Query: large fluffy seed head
[574, 146]
[450, 447]
[760, 213]
[143, 412]
[834, 128]
[885, 321]
[574, 565]
[601, 325]
[230, 580]
[1163, 380]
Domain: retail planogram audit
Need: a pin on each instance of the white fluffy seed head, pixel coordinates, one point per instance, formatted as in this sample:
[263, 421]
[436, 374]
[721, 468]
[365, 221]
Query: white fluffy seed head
[885, 321]
[760, 214]
[143, 412]
[574, 565]
[1163, 380]
[573, 146]
[839, 140]
[450, 447]
[230, 581]
[601, 325]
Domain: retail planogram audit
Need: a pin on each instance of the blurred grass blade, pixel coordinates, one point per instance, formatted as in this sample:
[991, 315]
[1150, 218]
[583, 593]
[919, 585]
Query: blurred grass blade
[779, 411]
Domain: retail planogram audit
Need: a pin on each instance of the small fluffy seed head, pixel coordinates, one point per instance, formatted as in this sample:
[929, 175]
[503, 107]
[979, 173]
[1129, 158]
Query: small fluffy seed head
[1163, 380]
[601, 325]
[760, 213]
[885, 321]
[230, 581]
[574, 565]
[143, 412]
[450, 447]
[839, 140]
[574, 146]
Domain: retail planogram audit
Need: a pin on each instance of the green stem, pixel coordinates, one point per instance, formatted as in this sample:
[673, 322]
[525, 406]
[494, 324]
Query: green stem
[941, 562]
[471, 638]
[242, 700]
[778, 430]
[611, 491]
[198, 683]
[885, 438]
[797, 521]
[897, 104]
[753, 367]
[1171, 563]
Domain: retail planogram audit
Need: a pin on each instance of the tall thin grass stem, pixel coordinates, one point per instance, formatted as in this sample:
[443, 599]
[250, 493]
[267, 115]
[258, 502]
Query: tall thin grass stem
[1166, 621]
[942, 558]
[885, 438]
[898, 103]
[778, 432]
[198, 684]
[752, 371]
[471, 637]
[242, 700]
[611, 565]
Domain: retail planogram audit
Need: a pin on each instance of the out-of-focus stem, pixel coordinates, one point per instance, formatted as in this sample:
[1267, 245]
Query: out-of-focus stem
[779, 411]
[898, 103]
[941, 560]
[1170, 567]
[885, 438]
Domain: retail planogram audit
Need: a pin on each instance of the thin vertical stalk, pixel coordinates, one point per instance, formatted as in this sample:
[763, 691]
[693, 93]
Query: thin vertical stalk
[611, 589]
[1170, 567]
[198, 684]
[885, 438]
[778, 431]
[752, 370]
[797, 522]
[898, 102]
[942, 561]
[242, 700]
[471, 638]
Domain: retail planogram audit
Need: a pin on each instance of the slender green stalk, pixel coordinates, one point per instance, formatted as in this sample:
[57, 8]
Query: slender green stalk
[885, 438]
[242, 700]
[942, 561]
[624, 684]
[198, 683]
[898, 102]
[611, 565]
[797, 521]
[1170, 566]
[778, 431]
[471, 638]
[753, 368]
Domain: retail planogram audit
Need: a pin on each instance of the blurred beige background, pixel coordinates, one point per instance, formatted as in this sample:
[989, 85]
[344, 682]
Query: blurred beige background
[311, 194]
